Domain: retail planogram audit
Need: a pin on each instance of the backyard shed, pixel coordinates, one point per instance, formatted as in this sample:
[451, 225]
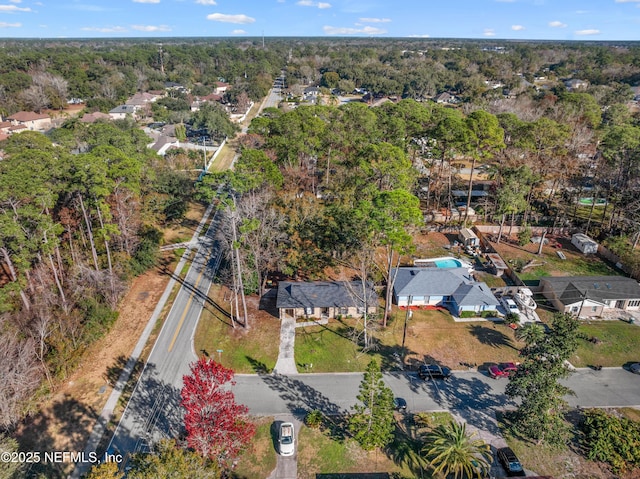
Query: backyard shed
[584, 243]
[468, 238]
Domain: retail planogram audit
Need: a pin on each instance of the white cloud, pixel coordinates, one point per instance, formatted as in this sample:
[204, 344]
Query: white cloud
[627, 1]
[146, 1]
[557, 24]
[375, 20]
[222, 17]
[352, 31]
[206, 2]
[13, 9]
[588, 31]
[311, 3]
[104, 29]
[15, 1]
[238, 32]
[517, 28]
[151, 28]
[489, 32]
[10, 25]
[419, 36]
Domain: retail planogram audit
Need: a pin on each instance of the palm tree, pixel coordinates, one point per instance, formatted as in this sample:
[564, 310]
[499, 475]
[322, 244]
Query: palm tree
[530, 334]
[451, 450]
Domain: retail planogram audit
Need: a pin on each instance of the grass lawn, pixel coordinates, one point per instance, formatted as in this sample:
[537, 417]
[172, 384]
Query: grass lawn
[260, 459]
[619, 344]
[330, 348]
[243, 351]
[432, 336]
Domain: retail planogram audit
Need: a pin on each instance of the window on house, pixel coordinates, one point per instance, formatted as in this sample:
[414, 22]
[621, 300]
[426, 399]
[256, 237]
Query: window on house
[633, 303]
[343, 310]
[308, 310]
[575, 309]
[594, 309]
[360, 309]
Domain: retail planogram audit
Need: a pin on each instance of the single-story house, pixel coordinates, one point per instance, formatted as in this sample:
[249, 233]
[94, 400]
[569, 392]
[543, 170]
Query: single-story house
[30, 120]
[325, 299]
[121, 111]
[140, 99]
[221, 87]
[453, 288]
[93, 117]
[576, 84]
[591, 295]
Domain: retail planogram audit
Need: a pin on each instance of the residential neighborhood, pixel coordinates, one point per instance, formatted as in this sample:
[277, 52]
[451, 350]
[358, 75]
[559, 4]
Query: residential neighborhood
[355, 262]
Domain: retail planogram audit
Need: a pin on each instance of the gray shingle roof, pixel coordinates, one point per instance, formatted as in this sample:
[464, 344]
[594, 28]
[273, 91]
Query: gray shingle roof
[571, 289]
[430, 281]
[322, 294]
[477, 294]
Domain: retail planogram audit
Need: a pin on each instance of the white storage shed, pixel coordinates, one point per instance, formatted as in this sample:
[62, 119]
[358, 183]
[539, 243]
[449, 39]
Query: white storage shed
[584, 243]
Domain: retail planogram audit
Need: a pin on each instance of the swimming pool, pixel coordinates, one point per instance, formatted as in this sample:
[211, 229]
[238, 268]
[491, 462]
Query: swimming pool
[448, 263]
[443, 262]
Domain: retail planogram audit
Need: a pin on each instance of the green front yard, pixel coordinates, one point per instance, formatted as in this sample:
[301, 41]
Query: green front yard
[617, 344]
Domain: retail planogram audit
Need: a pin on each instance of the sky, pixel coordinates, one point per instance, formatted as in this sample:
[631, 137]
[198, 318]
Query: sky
[600, 20]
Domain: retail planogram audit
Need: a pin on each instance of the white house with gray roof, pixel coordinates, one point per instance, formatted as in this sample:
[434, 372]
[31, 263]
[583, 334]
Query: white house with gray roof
[453, 288]
[325, 299]
[591, 295]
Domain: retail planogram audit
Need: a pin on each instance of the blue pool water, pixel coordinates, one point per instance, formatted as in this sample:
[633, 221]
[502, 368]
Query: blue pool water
[448, 263]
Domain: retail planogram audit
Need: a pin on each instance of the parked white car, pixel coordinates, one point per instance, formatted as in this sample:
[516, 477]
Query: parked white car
[286, 439]
[510, 305]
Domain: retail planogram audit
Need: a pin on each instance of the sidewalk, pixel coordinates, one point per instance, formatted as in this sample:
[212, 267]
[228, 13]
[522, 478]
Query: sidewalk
[286, 363]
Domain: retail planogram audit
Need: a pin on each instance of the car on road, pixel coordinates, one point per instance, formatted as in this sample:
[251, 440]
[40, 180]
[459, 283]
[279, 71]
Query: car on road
[634, 368]
[510, 462]
[502, 370]
[286, 439]
[399, 404]
[433, 371]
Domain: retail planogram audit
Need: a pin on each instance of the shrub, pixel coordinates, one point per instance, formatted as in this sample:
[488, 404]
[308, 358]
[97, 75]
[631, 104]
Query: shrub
[611, 439]
[314, 419]
[524, 237]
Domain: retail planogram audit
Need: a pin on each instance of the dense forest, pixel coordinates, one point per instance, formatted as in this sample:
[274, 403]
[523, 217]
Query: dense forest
[315, 187]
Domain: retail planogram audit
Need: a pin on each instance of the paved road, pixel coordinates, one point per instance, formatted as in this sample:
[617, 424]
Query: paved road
[468, 393]
[153, 411]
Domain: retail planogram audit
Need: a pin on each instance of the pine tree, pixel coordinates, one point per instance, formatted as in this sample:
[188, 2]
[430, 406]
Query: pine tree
[372, 423]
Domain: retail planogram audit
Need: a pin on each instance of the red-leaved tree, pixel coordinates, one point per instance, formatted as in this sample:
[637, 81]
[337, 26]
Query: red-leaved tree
[217, 427]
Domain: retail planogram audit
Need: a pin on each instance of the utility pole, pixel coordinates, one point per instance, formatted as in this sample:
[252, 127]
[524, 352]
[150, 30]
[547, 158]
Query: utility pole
[404, 331]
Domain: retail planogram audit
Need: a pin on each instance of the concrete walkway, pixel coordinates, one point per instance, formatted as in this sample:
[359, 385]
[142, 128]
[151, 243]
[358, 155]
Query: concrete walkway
[286, 363]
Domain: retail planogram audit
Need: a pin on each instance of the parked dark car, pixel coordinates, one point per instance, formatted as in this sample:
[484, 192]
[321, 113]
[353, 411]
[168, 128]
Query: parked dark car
[510, 462]
[634, 368]
[433, 371]
[400, 404]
